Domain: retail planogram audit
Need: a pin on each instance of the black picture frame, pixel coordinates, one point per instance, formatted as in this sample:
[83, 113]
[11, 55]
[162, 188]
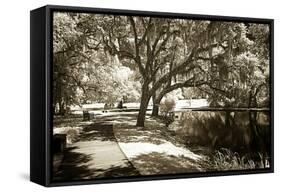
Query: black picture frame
[41, 93]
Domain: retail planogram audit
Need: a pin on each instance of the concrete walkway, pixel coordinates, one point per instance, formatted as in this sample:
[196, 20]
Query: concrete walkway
[150, 149]
[114, 147]
[152, 152]
[96, 154]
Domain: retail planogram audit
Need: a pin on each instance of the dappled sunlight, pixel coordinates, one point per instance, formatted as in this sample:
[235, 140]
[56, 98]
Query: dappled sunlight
[60, 130]
[111, 145]
[62, 124]
[72, 133]
[155, 163]
[134, 149]
[152, 153]
[129, 134]
[137, 95]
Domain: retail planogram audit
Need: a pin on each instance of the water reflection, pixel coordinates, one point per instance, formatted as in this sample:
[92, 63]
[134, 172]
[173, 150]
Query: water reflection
[244, 132]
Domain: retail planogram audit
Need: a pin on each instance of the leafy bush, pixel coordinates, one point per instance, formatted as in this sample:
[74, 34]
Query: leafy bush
[167, 106]
[72, 133]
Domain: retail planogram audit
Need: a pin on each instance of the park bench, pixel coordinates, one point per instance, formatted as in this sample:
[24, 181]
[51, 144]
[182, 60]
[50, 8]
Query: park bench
[107, 106]
[86, 115]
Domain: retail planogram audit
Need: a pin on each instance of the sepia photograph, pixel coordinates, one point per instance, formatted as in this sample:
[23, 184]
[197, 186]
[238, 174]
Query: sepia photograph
[136, 96]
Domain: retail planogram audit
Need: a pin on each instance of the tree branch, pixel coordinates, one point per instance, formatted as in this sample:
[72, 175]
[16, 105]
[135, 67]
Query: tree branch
[146, 30]
[137, 59]
[186, 84]
[175, 71]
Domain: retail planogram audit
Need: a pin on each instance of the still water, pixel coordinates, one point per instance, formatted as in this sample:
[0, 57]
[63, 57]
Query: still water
[243, 131]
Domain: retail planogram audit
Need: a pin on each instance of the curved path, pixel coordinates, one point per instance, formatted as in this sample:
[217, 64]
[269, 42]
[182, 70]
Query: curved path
[152, 150]
[96, 154]
[104, 150]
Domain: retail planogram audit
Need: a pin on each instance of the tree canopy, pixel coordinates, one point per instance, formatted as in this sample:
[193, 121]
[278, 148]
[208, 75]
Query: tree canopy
[105, 58]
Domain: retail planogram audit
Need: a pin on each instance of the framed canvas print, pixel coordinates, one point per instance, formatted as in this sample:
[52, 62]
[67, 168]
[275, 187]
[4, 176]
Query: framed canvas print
[120, 95]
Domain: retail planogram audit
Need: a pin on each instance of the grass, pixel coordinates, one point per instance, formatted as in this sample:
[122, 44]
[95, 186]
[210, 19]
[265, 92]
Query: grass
[71, 125]
[224, 159]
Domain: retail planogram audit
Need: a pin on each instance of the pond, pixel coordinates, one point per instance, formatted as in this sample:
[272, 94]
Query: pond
[243, 131]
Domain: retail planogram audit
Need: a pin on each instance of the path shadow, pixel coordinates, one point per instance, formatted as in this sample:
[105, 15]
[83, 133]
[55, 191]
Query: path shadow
[78, 165]
[155, 163]
[75, 167]
[97, 131]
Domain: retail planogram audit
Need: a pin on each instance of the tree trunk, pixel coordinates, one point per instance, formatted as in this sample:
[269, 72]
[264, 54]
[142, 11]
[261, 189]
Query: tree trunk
[143, 105]
[227, 123]
[156, 104]
[254, 143]
[155, 109]
[61, 108]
